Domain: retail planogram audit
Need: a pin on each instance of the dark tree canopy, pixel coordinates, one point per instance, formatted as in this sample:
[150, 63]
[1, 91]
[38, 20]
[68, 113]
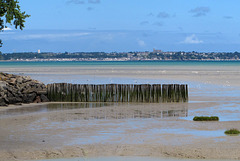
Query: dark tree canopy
[11, 14]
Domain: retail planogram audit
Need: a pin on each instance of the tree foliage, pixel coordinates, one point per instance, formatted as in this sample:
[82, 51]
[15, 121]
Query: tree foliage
[11, 14]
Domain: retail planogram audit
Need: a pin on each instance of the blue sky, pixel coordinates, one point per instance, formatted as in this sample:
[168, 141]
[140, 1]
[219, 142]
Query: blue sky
[126, 25]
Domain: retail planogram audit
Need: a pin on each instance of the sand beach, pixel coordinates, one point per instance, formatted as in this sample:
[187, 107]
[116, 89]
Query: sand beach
[69, 130]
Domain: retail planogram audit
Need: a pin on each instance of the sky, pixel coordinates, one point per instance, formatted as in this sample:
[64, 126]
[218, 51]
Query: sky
[126, 25]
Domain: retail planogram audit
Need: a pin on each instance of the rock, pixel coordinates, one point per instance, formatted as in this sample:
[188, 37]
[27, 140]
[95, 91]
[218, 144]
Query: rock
[18, 104]
[2, 102]
[3, 84]
[21, 89]
[25, 99]
[37, 100]
[5, 99]
[44, 98]
[26, 79]
[13, 81]
[42, 92]
[29, 98]
[30, 90]
[14, 100]
[19, 79]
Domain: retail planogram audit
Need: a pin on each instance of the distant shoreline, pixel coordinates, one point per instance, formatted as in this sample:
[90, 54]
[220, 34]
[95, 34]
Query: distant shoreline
[69, 60]
[156, 55]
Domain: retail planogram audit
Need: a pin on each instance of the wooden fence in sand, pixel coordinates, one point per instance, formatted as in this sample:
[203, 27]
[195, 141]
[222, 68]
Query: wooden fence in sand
[145, 93]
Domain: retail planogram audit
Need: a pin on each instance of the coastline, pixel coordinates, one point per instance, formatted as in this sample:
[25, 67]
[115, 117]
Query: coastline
[66, 134]
[112, 60]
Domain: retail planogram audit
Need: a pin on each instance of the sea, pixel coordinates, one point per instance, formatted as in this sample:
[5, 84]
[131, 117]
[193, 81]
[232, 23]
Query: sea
[115, 63]
[93, 79]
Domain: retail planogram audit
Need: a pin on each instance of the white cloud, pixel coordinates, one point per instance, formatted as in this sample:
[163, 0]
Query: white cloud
[163, 15]
[7, 33]
[200, 11]
[144, 23]
[106, 36]
[76, 2]
[7, 29]
[83, 1]
[159, 24]
[141, 43]
[192, 39]
[49, 36]
[94, 1]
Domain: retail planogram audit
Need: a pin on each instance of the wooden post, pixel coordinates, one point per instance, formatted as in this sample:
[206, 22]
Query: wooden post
[117, 93]
[164, 93]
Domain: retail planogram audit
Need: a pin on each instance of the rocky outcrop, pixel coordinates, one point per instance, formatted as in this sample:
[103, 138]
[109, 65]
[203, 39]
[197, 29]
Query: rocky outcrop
[16, 89]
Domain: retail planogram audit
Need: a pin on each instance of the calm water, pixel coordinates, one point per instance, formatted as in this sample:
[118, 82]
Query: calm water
[37, 108]
[101, 110]
[119, 63]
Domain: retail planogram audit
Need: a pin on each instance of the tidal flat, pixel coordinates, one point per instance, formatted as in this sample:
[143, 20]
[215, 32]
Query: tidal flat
[90, 130]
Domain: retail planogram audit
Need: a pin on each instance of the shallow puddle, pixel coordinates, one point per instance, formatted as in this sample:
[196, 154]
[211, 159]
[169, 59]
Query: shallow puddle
[200, 133]
[89, 111]
[226, 111]
[36, 108]
[137, 131]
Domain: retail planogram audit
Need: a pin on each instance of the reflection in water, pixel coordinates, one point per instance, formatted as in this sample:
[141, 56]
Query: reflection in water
[126, 113]
[88, 111]
[130, 111]
[51, 107]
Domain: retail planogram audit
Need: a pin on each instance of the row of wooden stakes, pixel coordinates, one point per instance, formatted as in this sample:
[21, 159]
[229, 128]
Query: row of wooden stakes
[145, 93]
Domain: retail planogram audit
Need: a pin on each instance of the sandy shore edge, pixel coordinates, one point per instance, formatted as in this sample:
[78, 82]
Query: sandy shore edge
[109, 150]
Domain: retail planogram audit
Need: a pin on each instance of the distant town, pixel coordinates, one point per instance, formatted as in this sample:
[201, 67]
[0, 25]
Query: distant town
[155, 55]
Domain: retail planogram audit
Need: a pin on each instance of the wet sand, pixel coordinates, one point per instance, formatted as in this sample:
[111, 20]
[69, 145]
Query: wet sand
[129, 129]
[85, 133]
[221, 75]
[121, 158]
